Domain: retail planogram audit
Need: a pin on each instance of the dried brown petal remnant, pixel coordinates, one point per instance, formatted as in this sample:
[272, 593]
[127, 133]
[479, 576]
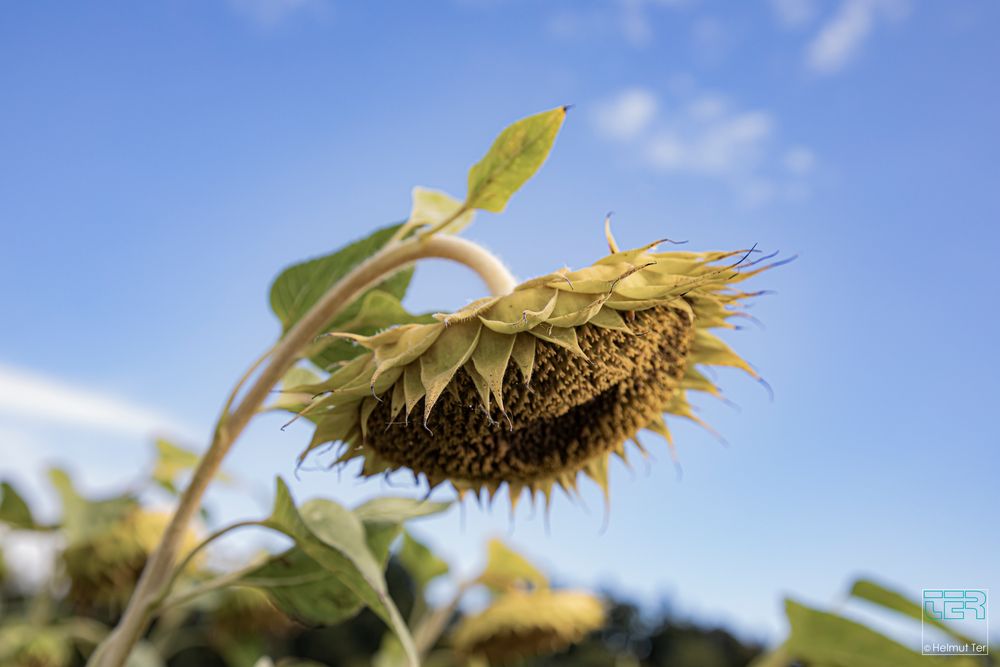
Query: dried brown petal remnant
[534, 387]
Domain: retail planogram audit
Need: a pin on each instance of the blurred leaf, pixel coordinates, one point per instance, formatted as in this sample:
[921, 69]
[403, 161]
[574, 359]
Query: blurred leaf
[506, 569]
[866, 589]
[304, 589]
[821, 638]
[422, 564]
[432, 207]
[512, 159]
[335, 538]
[144, 655]
[390, 653]
[14, 511]
[397, 510]
[171, 461]
[83, 519]
[300, 286]
[384, 518]
[298, 376]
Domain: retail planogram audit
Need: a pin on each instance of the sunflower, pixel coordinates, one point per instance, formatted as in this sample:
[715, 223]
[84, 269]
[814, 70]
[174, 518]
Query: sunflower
[531, 388]
[104, 569]
[521, 624]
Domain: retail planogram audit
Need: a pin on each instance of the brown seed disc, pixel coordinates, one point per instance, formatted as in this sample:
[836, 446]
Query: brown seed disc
[574, 410]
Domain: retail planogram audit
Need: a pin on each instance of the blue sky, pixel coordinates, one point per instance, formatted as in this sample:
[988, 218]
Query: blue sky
[159, 163]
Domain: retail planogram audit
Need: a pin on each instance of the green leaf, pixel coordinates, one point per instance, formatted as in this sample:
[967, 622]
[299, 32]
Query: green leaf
[507, 569]
[397, 510]
[84, 519]
[513, 158]
[307, 590]
[335, 538]
[171, 461]
[14, 511]
[866, 589]
[304, 589]
[818, 637]
[422, 564]
[300, 286]
[384, 518]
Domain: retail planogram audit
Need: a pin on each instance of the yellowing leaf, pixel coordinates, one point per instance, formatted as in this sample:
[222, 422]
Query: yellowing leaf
[513, 158]
[434, 207]
[506, 569]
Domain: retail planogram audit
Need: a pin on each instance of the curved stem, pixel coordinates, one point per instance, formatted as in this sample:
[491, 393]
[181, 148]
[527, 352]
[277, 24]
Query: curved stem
[180, 567]
[114, 651]
[429, 630]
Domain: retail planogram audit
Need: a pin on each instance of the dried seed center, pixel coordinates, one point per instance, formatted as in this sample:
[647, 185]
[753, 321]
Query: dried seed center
[574, 410]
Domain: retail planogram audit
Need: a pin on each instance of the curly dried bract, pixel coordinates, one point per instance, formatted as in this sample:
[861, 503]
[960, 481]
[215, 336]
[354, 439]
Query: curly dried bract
[534, 387]
[522, 624]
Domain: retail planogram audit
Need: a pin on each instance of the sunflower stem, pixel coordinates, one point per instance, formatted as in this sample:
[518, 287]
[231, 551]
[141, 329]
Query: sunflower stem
[158, 573]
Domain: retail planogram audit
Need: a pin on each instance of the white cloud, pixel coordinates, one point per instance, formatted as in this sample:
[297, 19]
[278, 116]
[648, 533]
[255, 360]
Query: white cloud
[627, 114]
[799, 160]
[705, 134]
[794, 13]
[725, 145]
[842, 37]
[26, 394]
[626, 19]
[269, 13]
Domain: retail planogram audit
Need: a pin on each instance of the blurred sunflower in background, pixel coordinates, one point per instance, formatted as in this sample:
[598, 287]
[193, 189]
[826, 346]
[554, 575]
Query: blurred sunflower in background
[526, 617]
[531, 388]
[104, 568]
[521, 624]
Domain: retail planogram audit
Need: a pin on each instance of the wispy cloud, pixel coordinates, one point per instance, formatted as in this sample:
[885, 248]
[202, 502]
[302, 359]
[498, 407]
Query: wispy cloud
[269, 13]
[794, 13]
[627, 19]
[843, 36]
[29, 395]
[706, 135]
[627, 114]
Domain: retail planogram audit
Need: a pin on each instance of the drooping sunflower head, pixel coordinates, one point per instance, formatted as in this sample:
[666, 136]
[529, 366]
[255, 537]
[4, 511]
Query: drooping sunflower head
[531, 388]
[521, 624]
[104, 569]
